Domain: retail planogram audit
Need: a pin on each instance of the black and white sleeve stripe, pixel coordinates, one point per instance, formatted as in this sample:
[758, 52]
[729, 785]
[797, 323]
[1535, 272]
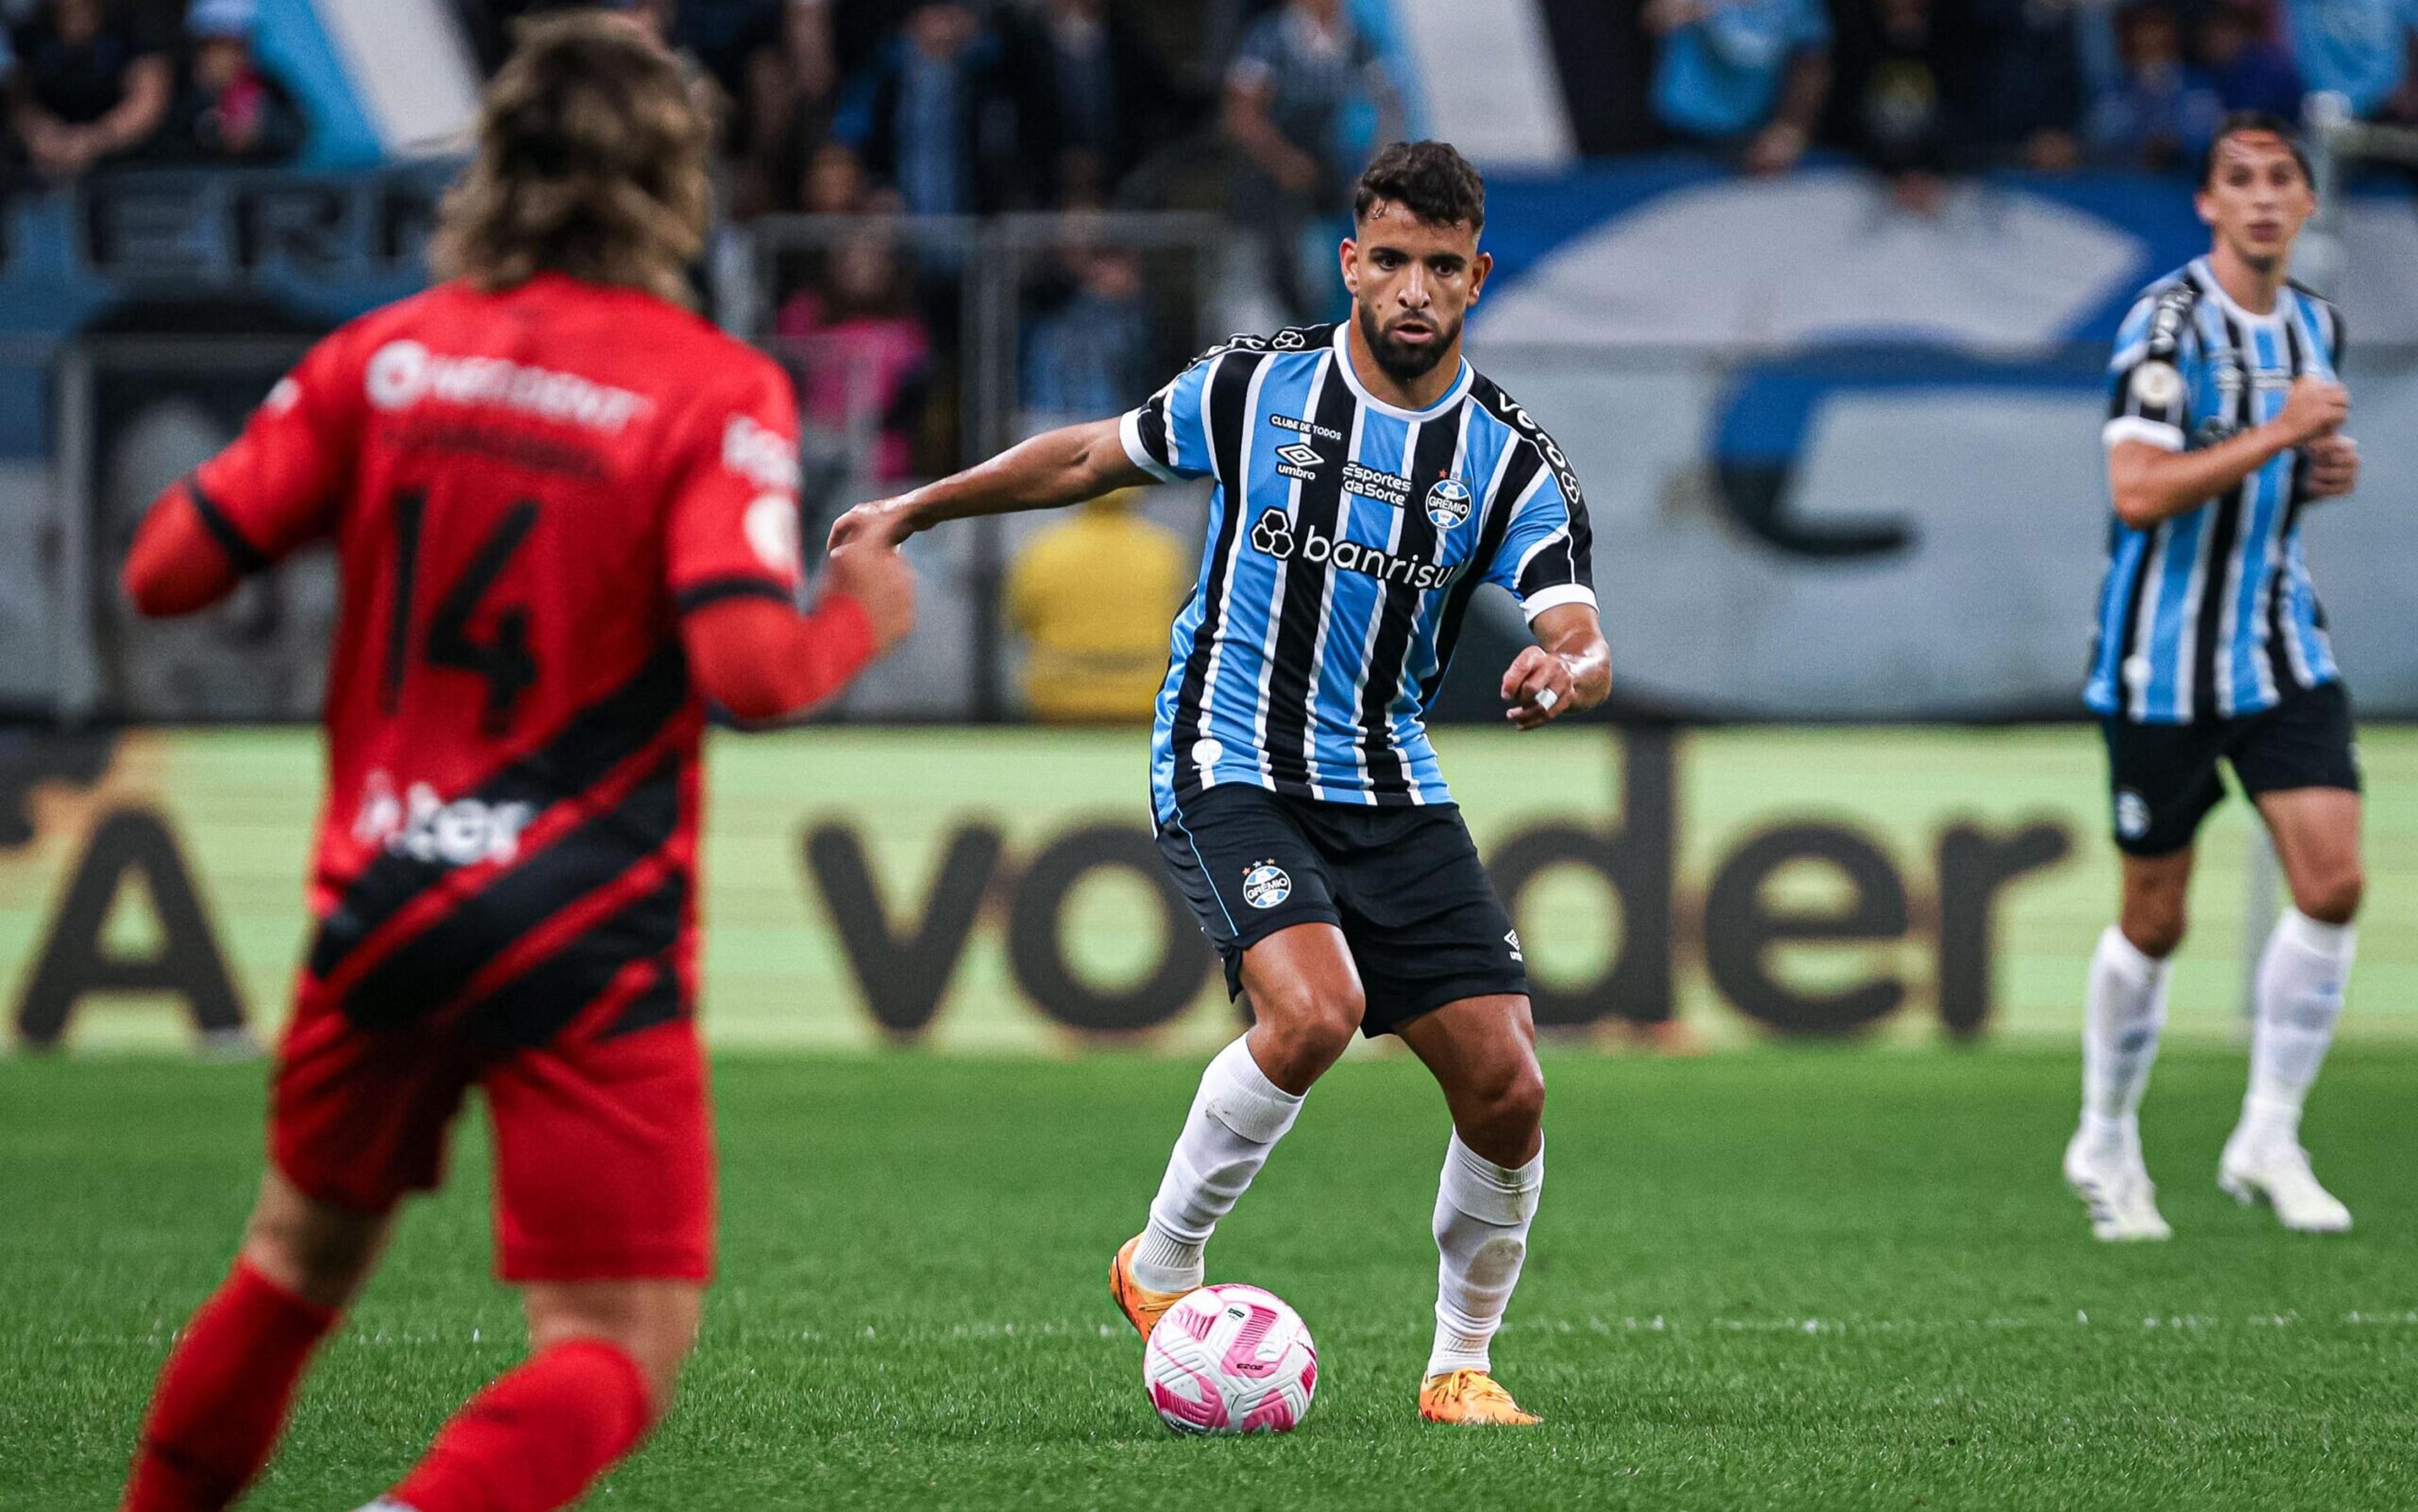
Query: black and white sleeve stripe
[1144, 431]
[2149, 398]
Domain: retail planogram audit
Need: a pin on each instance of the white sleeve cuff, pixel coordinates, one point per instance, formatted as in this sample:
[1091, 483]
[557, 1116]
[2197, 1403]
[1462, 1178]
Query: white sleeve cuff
[2139, 428]
[1554, 596]
[1130, 432]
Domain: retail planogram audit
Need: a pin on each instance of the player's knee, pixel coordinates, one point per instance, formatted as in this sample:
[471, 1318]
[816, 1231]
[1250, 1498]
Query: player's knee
[2332, 894]
[1308, 1025]
[1505, 1112]
[2155, 925]
[1520, 1103]
[316, 1251]
[653, 1322]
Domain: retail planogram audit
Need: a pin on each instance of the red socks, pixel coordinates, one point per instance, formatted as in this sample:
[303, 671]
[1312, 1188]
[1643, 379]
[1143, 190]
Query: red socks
[530, 1443]
[536, 1437]
[223, 1395]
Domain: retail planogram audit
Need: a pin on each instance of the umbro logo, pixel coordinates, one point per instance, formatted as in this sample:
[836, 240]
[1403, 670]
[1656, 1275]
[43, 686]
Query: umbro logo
[1300, 460]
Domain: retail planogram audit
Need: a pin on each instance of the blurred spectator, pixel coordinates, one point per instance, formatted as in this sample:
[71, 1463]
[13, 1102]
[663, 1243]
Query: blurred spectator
[2164, 110]
[1892, 96]
[2359, 49]
[1090, 98]
[744, 46]
[833, 183]
[1298, 71]
[228, 108]
[93, 82]
[1748, 75]
[930, 114]
[832, 41]
[2248, 69]
[864, 352]
[2030, 87]
[1090, 356]
[1097, 657]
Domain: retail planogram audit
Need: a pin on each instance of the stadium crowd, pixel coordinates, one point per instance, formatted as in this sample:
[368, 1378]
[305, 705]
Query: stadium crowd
[1923, 88]
[978, 106]
[94, 82]
[1260, 109]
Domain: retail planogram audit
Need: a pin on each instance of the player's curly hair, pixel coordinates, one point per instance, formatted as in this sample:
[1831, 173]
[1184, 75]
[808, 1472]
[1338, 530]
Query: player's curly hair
[1431, 179]
[591, 163]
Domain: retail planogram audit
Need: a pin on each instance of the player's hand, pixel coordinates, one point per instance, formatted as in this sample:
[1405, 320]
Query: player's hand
[1538, 688]
[883, 523]
[879, 579]
[2314, 408]
[2334, 465]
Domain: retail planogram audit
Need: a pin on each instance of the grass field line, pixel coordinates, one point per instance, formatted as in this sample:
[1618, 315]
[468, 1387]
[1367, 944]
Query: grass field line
[925, 1336]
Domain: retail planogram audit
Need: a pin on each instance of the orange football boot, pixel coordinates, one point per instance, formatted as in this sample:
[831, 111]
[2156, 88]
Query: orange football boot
[1470, 1397]
[1142, 1306]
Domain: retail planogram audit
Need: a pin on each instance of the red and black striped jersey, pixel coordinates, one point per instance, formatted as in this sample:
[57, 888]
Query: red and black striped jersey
[526, 490]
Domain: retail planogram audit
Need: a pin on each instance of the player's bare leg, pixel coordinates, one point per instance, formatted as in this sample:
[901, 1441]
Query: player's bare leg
[223, 1396]
[1482, 1051]
[1307, 1002]
[2124, 1013]
[2301, 976]
[603, 1358]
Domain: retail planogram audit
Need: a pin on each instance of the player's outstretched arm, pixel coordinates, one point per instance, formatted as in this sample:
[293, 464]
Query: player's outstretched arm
[1060, 466]
[177, 566]
[1569, 669]
[762, 660]
[2152, 483]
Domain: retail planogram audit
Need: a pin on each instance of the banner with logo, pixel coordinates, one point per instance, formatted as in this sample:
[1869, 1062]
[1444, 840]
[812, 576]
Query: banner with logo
[999, 891]
[1844, 460]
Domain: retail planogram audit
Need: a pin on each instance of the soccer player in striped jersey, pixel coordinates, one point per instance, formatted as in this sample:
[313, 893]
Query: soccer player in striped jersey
[1368, 482]
[2226, 424]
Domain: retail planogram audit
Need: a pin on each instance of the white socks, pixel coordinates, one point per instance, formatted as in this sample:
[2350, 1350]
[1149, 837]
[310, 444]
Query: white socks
[1481, 1232]
[2125, 1010]
[1236, 1119]
[2301, 981]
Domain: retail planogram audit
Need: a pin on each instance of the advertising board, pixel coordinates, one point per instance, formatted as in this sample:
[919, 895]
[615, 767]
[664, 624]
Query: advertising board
[997, 891]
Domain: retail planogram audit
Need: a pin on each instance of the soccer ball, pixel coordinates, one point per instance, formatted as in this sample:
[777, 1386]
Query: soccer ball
[1231, 1359]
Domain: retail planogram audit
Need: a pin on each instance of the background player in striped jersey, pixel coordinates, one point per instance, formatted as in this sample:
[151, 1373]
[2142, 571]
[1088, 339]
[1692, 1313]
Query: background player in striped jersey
[2227, 421]
[565, 511]
[1368, 482]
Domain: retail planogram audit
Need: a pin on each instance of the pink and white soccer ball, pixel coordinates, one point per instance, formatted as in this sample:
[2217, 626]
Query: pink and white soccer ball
[1231, 1359]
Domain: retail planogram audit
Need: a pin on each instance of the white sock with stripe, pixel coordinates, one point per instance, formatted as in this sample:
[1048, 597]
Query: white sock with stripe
[2301, 978]
[1237, 1117]
[2124, 1016]
[1482, 1214]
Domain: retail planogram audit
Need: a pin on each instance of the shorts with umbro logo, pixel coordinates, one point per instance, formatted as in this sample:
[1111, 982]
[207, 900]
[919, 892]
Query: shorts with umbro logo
[1403, 883]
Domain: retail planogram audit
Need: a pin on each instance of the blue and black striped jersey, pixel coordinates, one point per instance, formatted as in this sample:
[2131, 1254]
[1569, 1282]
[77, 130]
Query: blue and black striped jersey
[2210, 613]
[1346, 537]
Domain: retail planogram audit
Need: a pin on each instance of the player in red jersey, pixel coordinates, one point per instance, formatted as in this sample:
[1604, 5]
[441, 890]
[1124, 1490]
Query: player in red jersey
[566, 512]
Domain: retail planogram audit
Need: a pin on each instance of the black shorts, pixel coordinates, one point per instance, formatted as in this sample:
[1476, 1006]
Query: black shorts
[2163, 777]
[1402, 883]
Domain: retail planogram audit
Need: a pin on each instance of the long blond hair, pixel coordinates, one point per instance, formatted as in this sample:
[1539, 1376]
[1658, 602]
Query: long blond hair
[591, 161]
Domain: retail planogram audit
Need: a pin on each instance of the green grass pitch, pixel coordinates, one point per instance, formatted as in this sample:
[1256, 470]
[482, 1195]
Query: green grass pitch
[1776, 1279]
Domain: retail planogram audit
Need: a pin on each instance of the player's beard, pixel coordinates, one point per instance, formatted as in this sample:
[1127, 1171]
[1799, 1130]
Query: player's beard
[1401, 361]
